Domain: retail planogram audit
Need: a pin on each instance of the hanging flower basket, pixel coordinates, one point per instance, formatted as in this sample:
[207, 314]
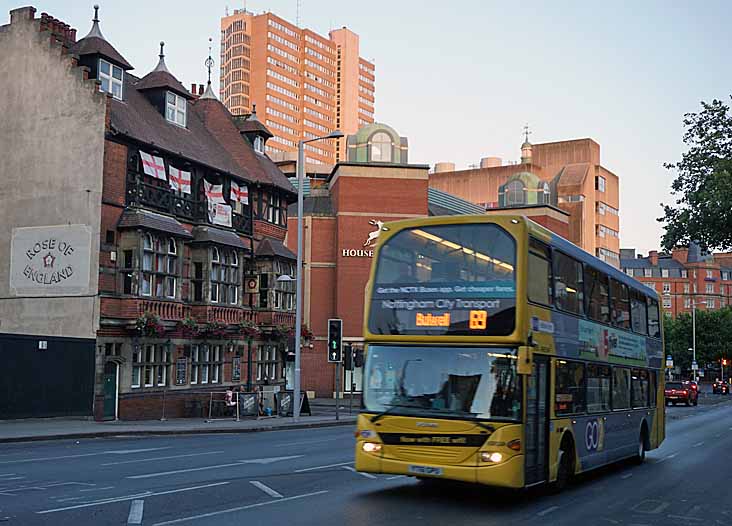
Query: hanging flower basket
[249, 329]
[149, 324]
[190, 327]
[282, 332]
[306, 335]
[214, 329]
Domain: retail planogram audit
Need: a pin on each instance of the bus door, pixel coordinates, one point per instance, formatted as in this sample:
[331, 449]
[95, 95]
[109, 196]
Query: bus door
[537, 421]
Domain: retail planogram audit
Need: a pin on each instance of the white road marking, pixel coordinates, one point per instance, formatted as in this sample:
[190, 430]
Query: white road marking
[627, 476]
[547, 511]
[269, 491]
[218, 466]
[367, 475]
[672, 455]
[11, 478]
[160, 458]
[96, 489]
[68, 499]
[131, 497]
[133, 451]
[82, 455]
[240, 508]
[395, 477]
[136, 510]
[323, 467]
[269, 460]
[67, 484]
[7, 475]
[698, 444]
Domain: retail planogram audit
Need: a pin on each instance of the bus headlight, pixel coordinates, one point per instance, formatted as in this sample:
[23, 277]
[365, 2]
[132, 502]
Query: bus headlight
[487, 456]
[371, 447]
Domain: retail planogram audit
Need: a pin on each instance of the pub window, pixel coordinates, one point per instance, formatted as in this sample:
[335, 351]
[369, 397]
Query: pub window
[159, 267]
[598, 297]
[598, 388]
[150, 365]
[621, 388]
[654, 327]
[127, 271]
[621, 304]
[197, 281]
[267, 363]
[540, 284]
[206, 364]
[569, 397]
[263, 290]
[567, 283]
[639, 387]
[224, 276]
[638, 312]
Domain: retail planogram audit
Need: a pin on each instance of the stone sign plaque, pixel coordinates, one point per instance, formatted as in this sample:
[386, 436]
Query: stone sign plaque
[50, 261]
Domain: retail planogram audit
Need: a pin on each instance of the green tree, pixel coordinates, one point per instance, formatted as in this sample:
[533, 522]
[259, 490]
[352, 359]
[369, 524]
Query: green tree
[703, 185]
[713, 337]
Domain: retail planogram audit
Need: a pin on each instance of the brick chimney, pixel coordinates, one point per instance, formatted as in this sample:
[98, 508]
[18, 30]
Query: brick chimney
[653, 257]
[680, 254]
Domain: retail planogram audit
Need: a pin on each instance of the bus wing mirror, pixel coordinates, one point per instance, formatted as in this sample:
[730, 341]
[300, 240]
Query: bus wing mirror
[524, 365]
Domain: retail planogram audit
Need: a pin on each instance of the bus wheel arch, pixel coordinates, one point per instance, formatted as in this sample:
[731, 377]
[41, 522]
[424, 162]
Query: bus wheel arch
[566, 462]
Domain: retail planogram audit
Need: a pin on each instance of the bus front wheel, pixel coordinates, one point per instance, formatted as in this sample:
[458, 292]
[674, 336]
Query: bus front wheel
[565, 471]
[640, 456]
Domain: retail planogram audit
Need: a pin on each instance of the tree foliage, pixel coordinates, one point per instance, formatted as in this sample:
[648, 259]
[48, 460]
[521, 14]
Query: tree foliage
[713, 337]
[702, 189]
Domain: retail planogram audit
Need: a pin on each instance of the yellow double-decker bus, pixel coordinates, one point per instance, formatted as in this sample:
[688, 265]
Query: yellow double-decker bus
[499, 353]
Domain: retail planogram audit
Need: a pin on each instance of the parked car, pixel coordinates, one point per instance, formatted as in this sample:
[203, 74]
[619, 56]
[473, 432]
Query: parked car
[720, 387]
[692, 385]
[678, 392]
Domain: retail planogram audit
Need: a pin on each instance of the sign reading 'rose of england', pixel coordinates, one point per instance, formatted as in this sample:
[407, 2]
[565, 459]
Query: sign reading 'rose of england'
[50, 261]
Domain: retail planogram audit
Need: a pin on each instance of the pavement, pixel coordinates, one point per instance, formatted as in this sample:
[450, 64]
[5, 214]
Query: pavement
[306, 477]
[59, 428]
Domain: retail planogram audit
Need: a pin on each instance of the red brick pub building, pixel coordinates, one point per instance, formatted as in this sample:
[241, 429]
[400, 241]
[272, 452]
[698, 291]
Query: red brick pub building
[191, 225]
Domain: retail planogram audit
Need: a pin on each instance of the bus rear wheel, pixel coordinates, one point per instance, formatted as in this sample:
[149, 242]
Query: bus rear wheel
[640, 455]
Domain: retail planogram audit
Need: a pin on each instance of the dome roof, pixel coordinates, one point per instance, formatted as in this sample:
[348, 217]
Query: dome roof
[363, 134]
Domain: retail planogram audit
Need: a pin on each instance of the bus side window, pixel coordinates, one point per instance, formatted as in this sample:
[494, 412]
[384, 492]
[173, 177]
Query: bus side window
[540, 284]
[639, 388]
[638, 312]
[598, 295]
[620, 304]
[654, 329]
[652, 386]
[568, 292]
[598, 388]
[621, 388]
[569, 397]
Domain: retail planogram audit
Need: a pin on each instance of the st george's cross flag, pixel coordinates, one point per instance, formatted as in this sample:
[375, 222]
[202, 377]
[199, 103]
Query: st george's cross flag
[239, 194]
[180, 180]
[153, 166]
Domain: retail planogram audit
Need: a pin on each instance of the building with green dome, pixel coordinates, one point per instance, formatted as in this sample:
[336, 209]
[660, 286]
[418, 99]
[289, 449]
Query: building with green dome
[377, 143]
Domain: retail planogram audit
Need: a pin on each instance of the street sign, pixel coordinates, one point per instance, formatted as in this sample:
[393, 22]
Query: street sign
[335, 340]
[669, 362]
[694, 366]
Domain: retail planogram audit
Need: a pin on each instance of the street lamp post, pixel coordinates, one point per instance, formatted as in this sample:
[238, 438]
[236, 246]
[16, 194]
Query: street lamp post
[693, 337]
[298, 271]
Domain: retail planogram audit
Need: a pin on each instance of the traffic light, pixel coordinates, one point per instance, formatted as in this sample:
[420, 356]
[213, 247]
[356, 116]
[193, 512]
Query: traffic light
[724, 361]
[335, 340]
[348, 357]
[358, 358]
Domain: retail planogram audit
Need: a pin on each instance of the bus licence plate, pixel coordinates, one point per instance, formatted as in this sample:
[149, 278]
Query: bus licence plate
[425, 470]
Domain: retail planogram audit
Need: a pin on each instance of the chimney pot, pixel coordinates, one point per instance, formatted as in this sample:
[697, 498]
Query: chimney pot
[193, 88]
[200, 89]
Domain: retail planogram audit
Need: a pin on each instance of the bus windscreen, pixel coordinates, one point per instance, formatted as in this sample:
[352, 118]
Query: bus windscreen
[446, 280]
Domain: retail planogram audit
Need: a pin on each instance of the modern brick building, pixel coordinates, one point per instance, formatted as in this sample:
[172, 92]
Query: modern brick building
[564, 176]
[303, 84]
[685, 279]
[141, 239]
[344, 208]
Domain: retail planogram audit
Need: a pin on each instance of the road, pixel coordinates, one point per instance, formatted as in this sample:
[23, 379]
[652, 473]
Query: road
[305, 477]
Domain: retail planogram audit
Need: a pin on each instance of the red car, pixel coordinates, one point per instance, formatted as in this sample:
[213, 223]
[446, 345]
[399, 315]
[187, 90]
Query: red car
[677, 392]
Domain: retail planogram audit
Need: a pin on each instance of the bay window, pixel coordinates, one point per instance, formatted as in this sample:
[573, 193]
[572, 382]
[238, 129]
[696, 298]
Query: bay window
[159, 267]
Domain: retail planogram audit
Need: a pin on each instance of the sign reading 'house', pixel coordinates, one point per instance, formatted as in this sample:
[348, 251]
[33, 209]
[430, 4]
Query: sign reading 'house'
[50, 260]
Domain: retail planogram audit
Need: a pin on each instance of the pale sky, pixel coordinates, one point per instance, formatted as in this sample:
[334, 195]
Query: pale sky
[460, 79]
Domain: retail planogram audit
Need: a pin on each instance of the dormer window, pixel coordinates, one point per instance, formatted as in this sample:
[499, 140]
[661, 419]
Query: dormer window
[111, 77]
[259, 144]
[175, 109]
